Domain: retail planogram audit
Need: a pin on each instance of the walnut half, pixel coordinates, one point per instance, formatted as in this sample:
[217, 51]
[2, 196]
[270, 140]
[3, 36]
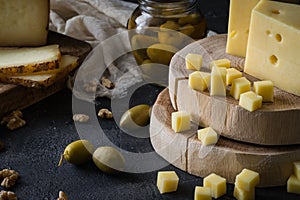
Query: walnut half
[13, 120]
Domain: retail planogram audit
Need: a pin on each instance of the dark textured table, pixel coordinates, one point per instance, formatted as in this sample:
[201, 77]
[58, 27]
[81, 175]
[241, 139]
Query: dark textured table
[34, 150]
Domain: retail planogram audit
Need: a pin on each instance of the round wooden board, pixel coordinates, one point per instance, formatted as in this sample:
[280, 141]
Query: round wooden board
[274, 124]
[227, 158]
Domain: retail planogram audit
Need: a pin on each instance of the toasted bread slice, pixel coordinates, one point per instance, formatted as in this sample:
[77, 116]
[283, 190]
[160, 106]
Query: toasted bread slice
[68, 64]
[29, 59]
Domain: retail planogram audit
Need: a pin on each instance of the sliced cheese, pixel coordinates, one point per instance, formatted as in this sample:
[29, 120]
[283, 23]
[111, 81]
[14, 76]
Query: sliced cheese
[68, 64]
[218, 81]
[29, 59]
[274, 40]
[24, 23]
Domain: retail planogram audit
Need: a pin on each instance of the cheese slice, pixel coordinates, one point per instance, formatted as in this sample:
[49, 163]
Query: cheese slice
[68, 64]
[24, 23]
[273, 46]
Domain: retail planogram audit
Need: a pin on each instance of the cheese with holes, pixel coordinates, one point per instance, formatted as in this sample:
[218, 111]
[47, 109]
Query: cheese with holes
[274, 40]
[181, 121]
[199, 81]
[238, 26]
[24, 23]
[167, 181]
[218, 81]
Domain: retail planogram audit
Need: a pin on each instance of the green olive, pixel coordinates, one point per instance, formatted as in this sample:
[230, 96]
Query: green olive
[170, 25]
[161, 53]
[136, 117]
[77, 152]
[142, 41]
[187, 29]
[189, 19]
[109, 160]
[170, 37]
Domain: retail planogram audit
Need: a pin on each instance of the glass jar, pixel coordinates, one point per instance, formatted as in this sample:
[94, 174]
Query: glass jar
[162, 27]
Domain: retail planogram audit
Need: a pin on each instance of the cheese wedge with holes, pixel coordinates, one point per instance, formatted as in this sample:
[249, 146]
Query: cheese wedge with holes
[24, 23]
[274, 41]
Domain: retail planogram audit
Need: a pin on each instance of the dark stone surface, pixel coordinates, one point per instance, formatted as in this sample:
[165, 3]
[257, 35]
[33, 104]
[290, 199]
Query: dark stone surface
[34, 150]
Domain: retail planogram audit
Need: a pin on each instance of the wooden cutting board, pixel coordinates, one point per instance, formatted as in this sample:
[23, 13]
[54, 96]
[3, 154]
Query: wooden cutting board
[274, 124]
[227, 158]
[14, 97]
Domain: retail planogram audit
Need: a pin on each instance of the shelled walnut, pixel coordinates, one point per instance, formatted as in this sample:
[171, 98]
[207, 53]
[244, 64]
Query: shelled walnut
[91, 87]
[105, 113]
[107, 83]
[61, 196]
[13, 120]
[81, 118]
[9, 177]
[7, 195]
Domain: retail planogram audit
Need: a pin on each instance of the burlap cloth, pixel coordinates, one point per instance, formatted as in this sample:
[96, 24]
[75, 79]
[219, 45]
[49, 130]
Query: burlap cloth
[96, 21]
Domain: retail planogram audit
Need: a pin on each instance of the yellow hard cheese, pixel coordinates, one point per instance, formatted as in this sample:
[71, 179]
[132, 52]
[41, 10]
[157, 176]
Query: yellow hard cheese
[240, 194]
[272, 52]
[207, 136]
[297, 169]
[199, 81]
[247, 180]
[293, 185]
[239, 86]
[167, 181]
[250, 101]
[232, 74]
[238, 26]
[220, 63]
[218, 81]
[264, 89]
[202, 193]
[216, 183]
[180, 121]
[193, 61]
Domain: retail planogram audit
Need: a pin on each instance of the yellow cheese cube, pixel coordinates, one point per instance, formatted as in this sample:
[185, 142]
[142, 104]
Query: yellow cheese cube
[272, 52]
[167, 181]
[202, 193]
[220, 63]
[216, 183]
[193, 61]
[218, 81]
[240, 194]
[199, 80]
[264, 89]
[207, 136]
[181, 121]
[247, 180]
[232, 74]
[238, 26]
[250, 101]
[239, 86]
[293, 185]
[297, 169]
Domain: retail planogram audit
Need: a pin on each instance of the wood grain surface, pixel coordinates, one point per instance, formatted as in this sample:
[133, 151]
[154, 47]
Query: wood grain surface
[227, 158]
[274, 124]
[18, 97]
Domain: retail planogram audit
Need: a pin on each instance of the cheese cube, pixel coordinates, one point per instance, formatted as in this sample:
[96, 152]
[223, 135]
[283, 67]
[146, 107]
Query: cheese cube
[232, 74]
[250, 101]
[247, 180]
[181, 121]
[272, 52]
[193, 61]
[239, 86]
[207, 136]
[202, 193]
[264, 89]
[293, 185]
[240, 194]
[167, 181]
[24, 23]
[218, 81]
[220, 63]
[199, 80]
[238, 26]
[216, 183]
[297, 169]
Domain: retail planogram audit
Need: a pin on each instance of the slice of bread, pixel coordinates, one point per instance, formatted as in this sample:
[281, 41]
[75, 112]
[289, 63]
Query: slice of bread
[68, 63]
[29, 59]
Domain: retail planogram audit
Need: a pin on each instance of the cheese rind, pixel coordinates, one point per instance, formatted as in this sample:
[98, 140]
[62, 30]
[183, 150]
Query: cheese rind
[167, 181]
[264, 89]
[202, 193]
[273, 44]
[218, 81]
[24, 23]
[199, 80]
[239, 86]
[193, 61]
[216, 183]
[247, 180]
[181, 121]
[207, 136]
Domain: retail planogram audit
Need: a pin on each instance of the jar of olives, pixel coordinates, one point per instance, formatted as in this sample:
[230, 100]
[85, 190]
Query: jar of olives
[159, 28]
